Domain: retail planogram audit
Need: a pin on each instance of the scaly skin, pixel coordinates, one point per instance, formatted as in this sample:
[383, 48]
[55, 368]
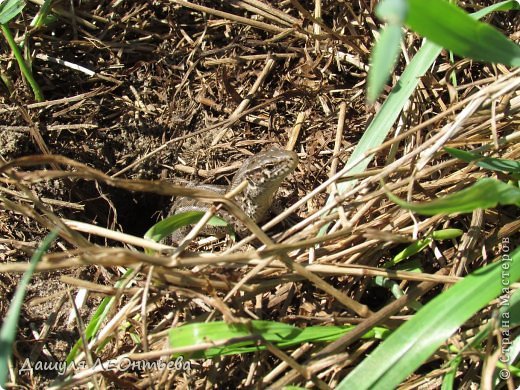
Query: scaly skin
[264, 173]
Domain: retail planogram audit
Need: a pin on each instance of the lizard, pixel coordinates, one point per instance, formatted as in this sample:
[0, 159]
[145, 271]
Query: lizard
[264, 172]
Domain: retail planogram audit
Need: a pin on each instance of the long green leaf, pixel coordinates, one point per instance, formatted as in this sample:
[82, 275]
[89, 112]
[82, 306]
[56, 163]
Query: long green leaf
[24, 68]
[419, 245]
[417, 339]
[491, 163]
[168, 225]
[43, 14]
[513, 307]
[10, 325]
[385, 52]
[10, 9]
[396, 12]
[280, 334]
[380, 126]
[484, 194]
[450, 27]
[383, 59]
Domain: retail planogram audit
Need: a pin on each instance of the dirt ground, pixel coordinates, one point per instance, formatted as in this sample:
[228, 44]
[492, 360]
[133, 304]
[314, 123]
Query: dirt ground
[160, 103]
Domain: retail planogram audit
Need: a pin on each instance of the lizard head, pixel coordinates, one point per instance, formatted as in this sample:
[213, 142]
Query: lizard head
[264, 173]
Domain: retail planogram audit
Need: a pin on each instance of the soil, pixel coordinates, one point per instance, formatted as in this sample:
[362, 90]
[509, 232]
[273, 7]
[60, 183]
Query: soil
[166, 78]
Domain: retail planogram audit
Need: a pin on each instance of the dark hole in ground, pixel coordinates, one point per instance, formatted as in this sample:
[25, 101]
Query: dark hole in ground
[375, 297]
[136, 212]
[140, 212]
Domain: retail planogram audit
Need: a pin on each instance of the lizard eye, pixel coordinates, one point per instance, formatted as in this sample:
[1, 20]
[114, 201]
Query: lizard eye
[255, 177]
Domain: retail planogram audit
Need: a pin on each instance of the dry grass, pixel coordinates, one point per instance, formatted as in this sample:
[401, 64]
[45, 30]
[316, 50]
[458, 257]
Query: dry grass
[177, 93]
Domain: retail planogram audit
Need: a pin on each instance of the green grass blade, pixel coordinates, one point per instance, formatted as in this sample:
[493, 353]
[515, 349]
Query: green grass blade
[97, 319]
[392, 11]
[383, 59]
[10, 9]
[514, 309]
[42, 15]
[380, 126]
[508, 5]
[450, 27]
[10, 325]
[280, 334]
[484, 194]
[449, 379]
[446, 234]
[491, 163]
[409, 251]
[419, 245]
[156, 233]
[417, 339]
[509, 311]
[386, 49]
[92, 327]
[168, 225]
[26, 71]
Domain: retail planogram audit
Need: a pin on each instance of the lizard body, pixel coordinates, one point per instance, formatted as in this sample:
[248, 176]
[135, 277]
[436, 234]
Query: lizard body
[264, 172]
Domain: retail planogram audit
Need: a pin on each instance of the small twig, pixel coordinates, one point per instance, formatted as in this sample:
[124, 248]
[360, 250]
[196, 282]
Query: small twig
[79, 68]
